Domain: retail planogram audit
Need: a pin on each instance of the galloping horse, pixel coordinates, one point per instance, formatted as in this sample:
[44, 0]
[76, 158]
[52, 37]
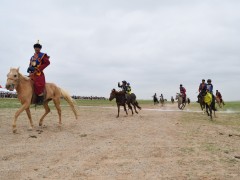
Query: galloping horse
[209, 106]
[161, 100]
[220, 102]
[122, 101]
[25, 90]
[181, 104]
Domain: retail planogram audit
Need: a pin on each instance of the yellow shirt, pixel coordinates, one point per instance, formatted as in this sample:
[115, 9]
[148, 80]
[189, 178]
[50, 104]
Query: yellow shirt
[208, 98]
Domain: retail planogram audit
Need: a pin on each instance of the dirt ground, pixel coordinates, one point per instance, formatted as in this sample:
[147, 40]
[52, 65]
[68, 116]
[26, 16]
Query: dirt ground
[150, 145]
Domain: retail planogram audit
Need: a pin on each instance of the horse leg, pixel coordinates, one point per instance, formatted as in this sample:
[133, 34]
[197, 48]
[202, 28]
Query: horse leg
[210, 109]
[134, 107]
[125, 109]
[22, 108]
[214, 114]
[130, 107]
[203, 109]
[47, 110]
[57, 105]
[30, 118]
[119, 110]
[207, 110]
[136, 104]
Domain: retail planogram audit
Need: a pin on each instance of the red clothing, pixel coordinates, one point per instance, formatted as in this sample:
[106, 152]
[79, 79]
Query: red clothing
[38, 76]
[183, 91]
[218, 94]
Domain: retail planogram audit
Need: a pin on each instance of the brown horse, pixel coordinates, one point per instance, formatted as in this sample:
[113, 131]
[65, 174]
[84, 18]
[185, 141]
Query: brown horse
[122, 101]
[220, 102]
[25, 91]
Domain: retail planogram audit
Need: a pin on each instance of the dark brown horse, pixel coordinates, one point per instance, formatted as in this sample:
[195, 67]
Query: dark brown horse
[122, 101]
[207, 108]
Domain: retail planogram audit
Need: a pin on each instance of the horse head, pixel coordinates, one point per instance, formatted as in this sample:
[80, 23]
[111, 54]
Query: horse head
[112, 94]
[12, 79]
[177, 96]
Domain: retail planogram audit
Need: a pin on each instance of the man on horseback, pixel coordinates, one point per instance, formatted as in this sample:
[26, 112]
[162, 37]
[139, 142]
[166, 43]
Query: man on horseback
[183, 92]
[126, 88]
[210, 90]
[123, 86]
[209, 86]
[129, 89]
[202, 90]
[219, 96]
[208, 97]
[155, 99]
[38, 62]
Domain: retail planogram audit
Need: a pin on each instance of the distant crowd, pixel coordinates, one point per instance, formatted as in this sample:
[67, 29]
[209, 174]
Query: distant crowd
[8, 95]
[89, 97]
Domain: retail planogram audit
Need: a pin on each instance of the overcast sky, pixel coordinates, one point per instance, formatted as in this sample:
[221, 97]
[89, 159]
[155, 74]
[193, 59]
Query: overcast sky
[153, 44]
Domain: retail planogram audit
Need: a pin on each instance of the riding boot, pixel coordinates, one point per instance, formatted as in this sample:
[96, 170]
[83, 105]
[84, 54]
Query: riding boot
[40, 100]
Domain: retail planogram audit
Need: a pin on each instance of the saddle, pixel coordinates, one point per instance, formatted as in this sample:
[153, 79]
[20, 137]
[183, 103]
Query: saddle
[34, 97]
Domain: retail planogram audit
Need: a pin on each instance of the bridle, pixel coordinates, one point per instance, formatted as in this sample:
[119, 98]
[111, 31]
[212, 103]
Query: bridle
[12, 84]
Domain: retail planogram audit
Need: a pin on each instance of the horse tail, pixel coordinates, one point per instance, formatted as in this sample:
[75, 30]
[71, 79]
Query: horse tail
[134, 100]
[136, 104]
[70, 101]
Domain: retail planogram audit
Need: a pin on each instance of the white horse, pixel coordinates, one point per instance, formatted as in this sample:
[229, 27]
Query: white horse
[181, 104]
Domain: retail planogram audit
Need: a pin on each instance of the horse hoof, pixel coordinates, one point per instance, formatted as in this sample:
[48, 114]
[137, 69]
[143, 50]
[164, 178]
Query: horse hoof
[14, 130]
[117, 116]
[30, 129]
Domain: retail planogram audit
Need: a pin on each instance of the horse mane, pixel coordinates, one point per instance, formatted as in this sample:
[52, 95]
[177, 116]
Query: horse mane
[23, 77]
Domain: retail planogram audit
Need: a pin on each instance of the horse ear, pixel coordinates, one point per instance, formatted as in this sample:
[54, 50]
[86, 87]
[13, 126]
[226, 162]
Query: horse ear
[18, 69]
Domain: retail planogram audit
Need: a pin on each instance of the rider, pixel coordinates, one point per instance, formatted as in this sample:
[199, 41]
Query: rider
[161, 96]
[183, 92]
[155, 96]
[210, 90]
[202, 89]
[38, 62]
[155, 99]
[208, 97]
[129, 89]
[125, 88]
[210, 86]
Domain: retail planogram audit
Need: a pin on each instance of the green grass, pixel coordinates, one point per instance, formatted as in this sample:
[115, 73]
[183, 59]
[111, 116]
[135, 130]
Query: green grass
[234, 105]
[15, 103]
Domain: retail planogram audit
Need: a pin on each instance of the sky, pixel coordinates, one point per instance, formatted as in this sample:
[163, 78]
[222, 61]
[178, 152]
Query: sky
[155, 45]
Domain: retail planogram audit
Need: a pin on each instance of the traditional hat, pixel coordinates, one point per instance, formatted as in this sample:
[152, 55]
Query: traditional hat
[37, 45]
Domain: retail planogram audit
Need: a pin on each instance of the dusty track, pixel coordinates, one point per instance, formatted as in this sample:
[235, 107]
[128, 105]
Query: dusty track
[151, 145]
